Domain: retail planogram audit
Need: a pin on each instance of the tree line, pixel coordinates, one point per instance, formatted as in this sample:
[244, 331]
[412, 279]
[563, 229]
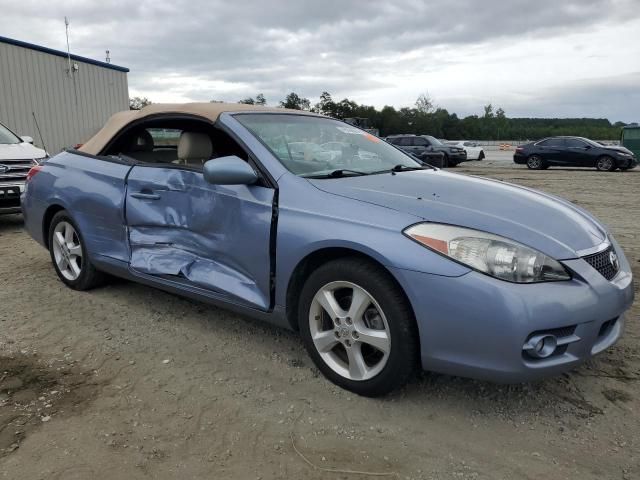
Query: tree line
[425, 117]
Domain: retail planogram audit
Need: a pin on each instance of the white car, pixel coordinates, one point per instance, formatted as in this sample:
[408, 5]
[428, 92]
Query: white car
[17, 156]
[474, 149]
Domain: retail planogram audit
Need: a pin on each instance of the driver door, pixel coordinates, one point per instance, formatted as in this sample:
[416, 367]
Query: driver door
[214, 238]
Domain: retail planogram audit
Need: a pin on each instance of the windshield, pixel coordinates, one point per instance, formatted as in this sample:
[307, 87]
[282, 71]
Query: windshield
[433, 140]
[6, 136]
[591, 142]
[319, 147]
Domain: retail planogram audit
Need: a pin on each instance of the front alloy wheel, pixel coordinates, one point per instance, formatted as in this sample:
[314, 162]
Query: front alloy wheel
[605, 164]
[358, 327]
[349, 330]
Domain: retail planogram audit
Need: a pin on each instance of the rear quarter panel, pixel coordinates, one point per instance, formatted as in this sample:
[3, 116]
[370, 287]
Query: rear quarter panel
[92, 190]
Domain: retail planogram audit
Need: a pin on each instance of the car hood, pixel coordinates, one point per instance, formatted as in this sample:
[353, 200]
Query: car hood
[20, 151]
[544, 222]
[618, 149]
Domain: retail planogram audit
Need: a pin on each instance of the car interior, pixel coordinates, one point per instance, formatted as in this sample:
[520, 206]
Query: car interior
[176, 141]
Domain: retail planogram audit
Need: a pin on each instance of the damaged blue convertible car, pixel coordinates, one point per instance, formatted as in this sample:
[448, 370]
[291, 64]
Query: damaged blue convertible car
[383, 264]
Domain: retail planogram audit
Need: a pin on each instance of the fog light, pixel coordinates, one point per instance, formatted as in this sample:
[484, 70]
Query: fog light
[541, 346]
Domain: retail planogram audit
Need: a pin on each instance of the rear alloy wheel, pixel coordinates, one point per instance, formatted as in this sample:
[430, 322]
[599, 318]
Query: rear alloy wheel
[605, 164]
[534, 162]
[358, 328]
[69, 255]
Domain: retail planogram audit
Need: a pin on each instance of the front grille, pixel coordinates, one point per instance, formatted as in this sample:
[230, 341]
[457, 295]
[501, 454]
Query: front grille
[560, 332]
[16, 172]
[605, 262]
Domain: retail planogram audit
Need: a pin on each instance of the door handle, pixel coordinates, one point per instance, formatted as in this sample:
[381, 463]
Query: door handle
[146, 196]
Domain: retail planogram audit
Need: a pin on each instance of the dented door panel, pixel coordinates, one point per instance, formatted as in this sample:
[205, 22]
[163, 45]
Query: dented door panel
[215, 237]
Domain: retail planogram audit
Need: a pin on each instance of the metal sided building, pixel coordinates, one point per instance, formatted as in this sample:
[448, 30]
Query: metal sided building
[70, 96]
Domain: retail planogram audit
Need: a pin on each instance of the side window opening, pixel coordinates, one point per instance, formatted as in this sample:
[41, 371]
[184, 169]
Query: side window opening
[552, 142]
[574, 143]
[187, 142]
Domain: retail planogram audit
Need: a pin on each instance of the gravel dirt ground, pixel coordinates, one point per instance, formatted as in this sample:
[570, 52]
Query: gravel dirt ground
[129, 382]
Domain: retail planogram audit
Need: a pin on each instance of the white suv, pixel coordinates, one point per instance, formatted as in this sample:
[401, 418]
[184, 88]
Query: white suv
[17, 156]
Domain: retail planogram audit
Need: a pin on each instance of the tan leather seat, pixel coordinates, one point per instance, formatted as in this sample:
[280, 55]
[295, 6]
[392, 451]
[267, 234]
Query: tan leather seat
[194, 148]
[142, 148]
[142, 142]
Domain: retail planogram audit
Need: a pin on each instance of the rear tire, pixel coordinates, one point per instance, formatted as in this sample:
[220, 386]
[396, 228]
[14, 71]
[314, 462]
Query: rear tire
[358, 327]
[605, 164]
[535, 162]
[69, 254]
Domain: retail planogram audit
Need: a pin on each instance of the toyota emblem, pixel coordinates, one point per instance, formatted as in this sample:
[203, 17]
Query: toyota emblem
[613, 258]
[4, 168]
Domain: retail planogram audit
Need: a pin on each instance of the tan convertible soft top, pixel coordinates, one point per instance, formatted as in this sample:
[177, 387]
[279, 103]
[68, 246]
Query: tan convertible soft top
[210, 111]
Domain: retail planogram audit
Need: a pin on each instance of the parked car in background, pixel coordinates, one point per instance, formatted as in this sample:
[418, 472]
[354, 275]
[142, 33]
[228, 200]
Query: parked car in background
[17, 156]
[630, 139]
[347, 150]
[574, 152]
[421, 145]
[305, 151]
[383, 266]
[473, 149]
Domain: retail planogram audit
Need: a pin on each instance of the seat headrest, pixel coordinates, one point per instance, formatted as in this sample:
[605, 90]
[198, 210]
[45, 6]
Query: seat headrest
[141, 142]
[194, 146]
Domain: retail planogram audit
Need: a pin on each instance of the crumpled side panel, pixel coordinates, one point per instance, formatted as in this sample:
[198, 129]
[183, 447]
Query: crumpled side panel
[158, 260]
[216, 237]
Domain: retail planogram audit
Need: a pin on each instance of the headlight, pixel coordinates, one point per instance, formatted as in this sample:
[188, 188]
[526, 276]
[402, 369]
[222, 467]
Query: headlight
[491, 254]
[38, 161]
[623, 154]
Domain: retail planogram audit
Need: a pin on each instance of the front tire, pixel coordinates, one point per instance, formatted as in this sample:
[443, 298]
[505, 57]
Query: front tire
[606, 164]
[481, 156]
[69, 254]
[358, 327]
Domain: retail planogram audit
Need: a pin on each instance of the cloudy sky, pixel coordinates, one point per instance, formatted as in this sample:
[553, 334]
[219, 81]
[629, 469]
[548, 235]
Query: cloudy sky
[559, 58]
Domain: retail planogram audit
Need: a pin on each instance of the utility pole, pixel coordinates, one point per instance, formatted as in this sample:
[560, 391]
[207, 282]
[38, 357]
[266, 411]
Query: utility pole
[66, 28]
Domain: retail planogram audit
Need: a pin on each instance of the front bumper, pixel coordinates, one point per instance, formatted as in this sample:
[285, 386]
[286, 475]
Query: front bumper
[10, 198]
[458, 157]
[476, 326]
[626, 162]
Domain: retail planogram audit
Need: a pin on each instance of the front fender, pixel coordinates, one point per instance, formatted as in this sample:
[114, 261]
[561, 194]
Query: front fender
[326, 220]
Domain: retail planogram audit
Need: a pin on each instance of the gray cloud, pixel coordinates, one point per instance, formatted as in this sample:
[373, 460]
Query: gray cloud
[362, 49]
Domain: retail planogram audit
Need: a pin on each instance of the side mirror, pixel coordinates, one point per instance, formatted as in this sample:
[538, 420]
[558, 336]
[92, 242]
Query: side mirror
[26, 139]
[231, 170]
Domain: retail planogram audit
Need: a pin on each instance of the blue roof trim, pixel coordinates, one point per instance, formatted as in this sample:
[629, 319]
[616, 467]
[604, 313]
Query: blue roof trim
[59, 53]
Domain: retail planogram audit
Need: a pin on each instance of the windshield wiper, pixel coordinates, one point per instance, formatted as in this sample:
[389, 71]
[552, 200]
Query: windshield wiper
[337, 173]
[405, 168]
[400, 168]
